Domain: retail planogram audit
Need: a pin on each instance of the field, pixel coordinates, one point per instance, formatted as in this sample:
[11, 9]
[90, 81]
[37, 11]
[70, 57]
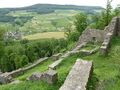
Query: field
[55, 21]
[56, 35]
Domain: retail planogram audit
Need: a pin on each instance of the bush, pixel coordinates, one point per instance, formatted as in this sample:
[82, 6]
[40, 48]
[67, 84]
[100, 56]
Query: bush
[81, 22]
[21, 53]
[74, 36]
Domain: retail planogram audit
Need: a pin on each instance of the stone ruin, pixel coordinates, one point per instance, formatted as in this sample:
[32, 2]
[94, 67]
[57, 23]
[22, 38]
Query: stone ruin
[49, 76]
[79, 76]
[7, 77]
[89, 35]
[56, 56]
[89, 52]
[111, 30]
[103, 36]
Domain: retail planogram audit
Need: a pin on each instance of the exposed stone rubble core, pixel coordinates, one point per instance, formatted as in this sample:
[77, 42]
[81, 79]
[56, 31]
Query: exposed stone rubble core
[56, 56]
[89, 52]
[79, 76]
[91, 34]
[106, 44]
[5, 78]
[36, 76]
[50, 77]
[111, 30]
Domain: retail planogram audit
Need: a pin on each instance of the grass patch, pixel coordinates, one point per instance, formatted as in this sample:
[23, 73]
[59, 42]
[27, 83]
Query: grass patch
[40, 68]
[90, 46]
[107, 69]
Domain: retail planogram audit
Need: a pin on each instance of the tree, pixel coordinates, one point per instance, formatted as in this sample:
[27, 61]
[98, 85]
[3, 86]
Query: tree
[70, 33]
[81, 22]
[2, 31]
[108, 11]
[117, 10]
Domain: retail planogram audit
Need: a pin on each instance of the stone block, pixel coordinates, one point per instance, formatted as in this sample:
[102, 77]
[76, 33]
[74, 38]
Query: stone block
[55, 64]
[103, 50]
[5, 78]
[51, 76]
[56, 56]
[36, 76]
[79, 76]
[86, 52]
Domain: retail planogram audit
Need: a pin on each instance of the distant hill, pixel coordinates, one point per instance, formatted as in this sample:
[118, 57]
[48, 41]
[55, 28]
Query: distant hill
[5, 16]
[48, 8]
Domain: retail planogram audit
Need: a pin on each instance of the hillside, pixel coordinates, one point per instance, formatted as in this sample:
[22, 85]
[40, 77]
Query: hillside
[44, 9]
[103, 52]
[48, 8]
[42, 17]
[59, 47]
[106, 71]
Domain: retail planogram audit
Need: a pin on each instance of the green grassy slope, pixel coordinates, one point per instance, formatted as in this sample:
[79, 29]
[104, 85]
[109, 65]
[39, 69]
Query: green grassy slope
[55, 21]
[39, 85]
[106, 75]
[107, 69]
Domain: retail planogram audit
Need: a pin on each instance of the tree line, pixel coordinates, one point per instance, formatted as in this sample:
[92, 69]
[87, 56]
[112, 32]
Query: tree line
[17, 54]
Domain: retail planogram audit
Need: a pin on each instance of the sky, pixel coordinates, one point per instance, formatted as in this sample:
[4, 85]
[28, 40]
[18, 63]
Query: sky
[22, 3]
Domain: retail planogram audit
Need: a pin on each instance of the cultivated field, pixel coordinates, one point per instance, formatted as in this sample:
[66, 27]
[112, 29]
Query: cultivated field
[56, 35]
[55, 21]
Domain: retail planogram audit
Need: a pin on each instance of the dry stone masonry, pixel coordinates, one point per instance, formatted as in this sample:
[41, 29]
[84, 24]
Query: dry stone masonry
[36, 77]
[111, 30]
[91, 34]
[56, 56]
[7, 77]
[50, 77]
[79, 76]
[74, 51]
[89, 52]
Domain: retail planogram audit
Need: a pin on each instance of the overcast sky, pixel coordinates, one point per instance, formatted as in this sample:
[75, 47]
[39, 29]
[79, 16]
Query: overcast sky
[22, 3]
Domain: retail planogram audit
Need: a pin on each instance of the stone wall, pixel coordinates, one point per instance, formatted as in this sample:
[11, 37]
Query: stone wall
[100, 35]
[79, 76]
[4, 77]
[119, 26]
[65, 55]
[111, 30]
[49, 76]
[112, 27]
[90, 34]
